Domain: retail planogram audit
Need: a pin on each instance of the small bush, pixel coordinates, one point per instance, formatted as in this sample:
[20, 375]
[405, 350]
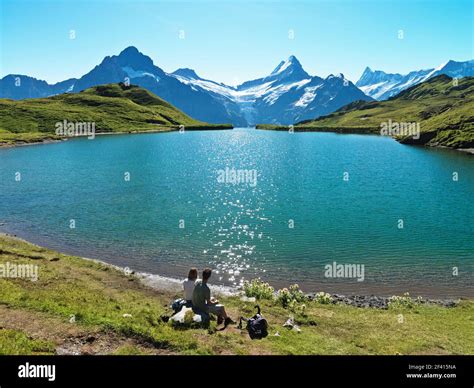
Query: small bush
[404, 301]
[258, 289]
[289, 297]
[298, 308]
[323, 298]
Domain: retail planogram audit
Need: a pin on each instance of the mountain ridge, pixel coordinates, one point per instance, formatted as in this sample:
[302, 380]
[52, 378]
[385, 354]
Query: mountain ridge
[381, 85]
[280, 97]
[286, 95]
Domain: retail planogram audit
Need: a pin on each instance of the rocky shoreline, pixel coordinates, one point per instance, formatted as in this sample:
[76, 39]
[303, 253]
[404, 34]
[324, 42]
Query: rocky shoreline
[163, 283]
[380, 302]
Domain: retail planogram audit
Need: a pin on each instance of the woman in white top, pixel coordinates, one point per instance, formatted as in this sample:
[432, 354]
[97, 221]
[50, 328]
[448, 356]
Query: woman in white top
[188, 286]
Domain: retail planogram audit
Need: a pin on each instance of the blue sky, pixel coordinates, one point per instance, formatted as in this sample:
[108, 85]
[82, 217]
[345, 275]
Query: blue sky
[234, 41]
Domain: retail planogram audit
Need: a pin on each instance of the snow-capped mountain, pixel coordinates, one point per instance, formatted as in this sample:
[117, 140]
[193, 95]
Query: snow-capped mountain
[139, 69]
[381, 85]
[287, 95]
[221, 93]
[291, 99]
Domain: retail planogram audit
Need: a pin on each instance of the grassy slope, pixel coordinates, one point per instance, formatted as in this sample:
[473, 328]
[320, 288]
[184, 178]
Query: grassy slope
[445, 113]
[34, 318]
[113, 108]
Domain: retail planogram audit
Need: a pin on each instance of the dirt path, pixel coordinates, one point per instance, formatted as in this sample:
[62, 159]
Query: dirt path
[69, 338]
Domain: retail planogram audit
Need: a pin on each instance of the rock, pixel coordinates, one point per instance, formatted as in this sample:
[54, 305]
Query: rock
[248, 299]
[296, 328]
[381, 302]
[310, 296]
[450, 303]
[290, 322]
[127, 315]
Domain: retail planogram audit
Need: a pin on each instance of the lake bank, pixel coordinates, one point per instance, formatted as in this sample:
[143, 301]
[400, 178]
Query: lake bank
[81, 306]
[351, 131]
[9, 140]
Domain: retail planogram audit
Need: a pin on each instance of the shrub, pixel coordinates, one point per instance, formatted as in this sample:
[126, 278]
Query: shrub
[404, 301]
[323, 298]
[297, 308]
[289, 297]
[258, 289]
[297, 294]
[284, 297]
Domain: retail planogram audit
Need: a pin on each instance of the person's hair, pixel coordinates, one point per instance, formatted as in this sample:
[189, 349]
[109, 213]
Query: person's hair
[193, 274]
[206, 274]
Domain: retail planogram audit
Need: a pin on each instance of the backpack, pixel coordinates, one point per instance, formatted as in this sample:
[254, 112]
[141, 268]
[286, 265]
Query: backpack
[177, 305]
[257, 326]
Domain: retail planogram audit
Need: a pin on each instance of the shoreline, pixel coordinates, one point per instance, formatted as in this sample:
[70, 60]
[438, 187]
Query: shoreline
[351, 131]
[339, 131]
[24, 144]
[160, 283]
[156, 282]
[19, 143]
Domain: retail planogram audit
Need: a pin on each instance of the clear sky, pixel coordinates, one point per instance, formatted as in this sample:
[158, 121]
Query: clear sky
[234, 41]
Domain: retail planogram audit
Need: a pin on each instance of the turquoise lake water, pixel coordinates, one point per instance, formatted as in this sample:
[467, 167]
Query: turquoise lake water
[174, 211]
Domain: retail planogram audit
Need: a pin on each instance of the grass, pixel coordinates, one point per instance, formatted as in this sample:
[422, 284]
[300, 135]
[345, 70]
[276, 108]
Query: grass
[114, 108]
[444, 110]
[14, 342]
[35, 317]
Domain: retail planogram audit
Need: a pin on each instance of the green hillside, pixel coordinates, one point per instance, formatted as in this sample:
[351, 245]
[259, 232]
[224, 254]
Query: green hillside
[443, 110]
[112, 107]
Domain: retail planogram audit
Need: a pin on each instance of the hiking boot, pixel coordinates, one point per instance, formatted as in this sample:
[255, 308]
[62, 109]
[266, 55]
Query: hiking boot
[228, 321]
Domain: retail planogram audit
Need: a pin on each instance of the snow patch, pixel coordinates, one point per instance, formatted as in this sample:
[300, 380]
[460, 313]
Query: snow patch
[274, 94]
[139, 73]
[307, 97]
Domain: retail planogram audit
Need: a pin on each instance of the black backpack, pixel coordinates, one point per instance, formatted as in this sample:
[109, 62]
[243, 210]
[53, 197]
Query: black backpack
[257, 326]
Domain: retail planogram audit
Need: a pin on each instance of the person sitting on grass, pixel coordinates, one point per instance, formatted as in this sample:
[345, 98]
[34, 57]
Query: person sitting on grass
[188, 286]
[204, 304]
